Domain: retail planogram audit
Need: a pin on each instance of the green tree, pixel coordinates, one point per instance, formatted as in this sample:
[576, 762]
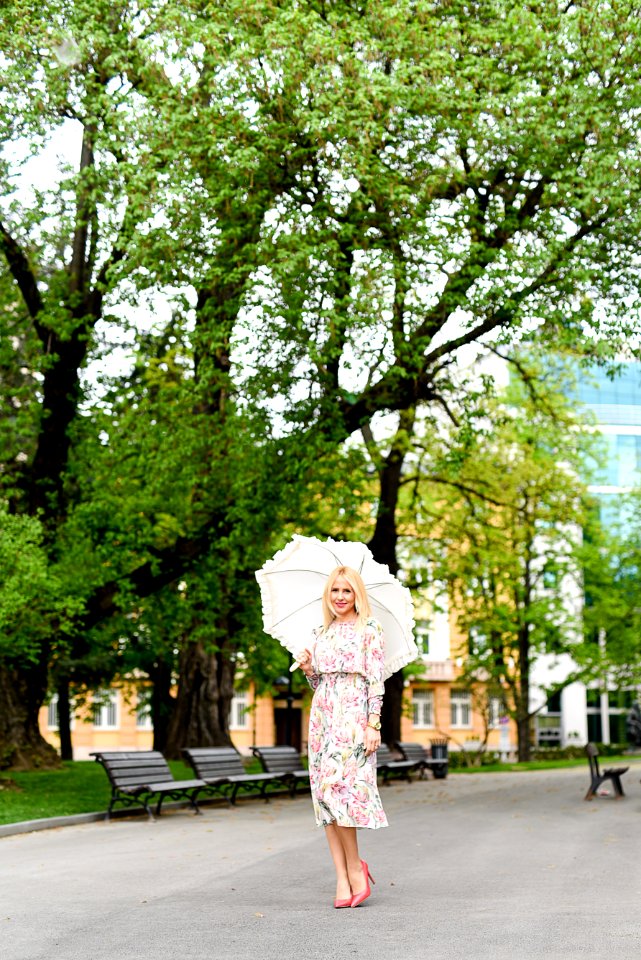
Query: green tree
[507, 542]
[336, 199]
[612, 621]
[33, 605]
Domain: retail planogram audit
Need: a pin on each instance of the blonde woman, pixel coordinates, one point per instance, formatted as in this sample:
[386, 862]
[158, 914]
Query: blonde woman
[344, 667]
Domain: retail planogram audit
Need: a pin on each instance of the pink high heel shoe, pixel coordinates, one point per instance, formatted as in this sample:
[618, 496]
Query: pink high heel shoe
[358, 898]
[343, 903]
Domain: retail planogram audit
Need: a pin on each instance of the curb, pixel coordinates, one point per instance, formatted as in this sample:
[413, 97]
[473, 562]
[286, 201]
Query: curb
[51, 823]
[48, 823]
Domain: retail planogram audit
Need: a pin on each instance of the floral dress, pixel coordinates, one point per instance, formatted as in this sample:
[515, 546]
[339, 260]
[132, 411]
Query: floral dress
[348, 685]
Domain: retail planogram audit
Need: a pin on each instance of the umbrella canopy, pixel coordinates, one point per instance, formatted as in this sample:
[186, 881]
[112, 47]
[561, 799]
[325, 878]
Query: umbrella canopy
[292, 584]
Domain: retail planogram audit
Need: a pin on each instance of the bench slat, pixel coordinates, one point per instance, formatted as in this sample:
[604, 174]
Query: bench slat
[137, 776]
[418, 754]
[222, 770]
[285, 762]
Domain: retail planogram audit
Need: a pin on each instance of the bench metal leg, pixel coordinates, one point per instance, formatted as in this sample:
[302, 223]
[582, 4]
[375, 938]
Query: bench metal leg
[263, 792]
[594, 786]
[128, 800]
[618, 787]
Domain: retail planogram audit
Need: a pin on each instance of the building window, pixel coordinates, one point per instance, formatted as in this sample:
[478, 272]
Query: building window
[239, 713]
[624, 460]
[497, 710]
[619, 703]
[422, 637]
[143, 712]
[52, 713]
[548, 729]
[105, 710]
[548, 724]
[423, 708]
[461, 708]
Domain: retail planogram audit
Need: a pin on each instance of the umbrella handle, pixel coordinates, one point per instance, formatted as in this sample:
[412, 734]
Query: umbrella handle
[296, 664]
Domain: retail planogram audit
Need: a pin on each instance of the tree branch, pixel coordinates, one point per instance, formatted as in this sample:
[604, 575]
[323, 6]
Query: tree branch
[21, 272]
[505, 315]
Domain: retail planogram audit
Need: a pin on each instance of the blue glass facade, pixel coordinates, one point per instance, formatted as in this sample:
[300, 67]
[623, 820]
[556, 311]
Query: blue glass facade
[622, 467]
[616, 405]
[624, 391]
[597, 713]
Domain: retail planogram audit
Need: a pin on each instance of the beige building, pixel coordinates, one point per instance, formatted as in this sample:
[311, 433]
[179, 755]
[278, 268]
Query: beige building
[115, 720]
[435, 708]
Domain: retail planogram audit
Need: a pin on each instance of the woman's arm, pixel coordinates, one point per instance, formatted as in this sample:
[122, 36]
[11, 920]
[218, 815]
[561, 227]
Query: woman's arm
[305, 663]
[374, 666]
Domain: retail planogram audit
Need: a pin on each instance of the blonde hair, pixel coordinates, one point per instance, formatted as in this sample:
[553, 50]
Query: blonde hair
[361, 599]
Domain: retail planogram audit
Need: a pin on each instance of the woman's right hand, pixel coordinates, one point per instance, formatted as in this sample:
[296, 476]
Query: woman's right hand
[304, 659]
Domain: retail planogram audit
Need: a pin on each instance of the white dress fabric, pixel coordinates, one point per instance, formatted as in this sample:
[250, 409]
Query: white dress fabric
[348, 685]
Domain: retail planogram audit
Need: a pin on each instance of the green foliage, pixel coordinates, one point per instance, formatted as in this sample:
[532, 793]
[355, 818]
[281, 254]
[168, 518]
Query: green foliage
[33, 603]
[612, 618]
[291, 218]
[506, 540]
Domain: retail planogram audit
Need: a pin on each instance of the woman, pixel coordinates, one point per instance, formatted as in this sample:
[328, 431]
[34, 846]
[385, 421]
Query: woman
[345, 669]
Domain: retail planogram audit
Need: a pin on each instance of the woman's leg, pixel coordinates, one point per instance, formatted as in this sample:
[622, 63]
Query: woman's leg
[348, 839]
[337, 850]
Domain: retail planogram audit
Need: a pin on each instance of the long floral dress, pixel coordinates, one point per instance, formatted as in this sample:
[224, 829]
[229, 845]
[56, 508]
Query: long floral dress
[348, 686]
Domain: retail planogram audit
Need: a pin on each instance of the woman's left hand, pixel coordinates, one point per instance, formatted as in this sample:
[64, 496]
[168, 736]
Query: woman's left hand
[372, 740]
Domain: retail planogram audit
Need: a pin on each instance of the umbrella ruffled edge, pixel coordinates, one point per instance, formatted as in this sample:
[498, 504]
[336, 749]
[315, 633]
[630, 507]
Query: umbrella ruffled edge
[265, 603]
[261, 575]
[266, 568]
[401, 660]
[404, 657]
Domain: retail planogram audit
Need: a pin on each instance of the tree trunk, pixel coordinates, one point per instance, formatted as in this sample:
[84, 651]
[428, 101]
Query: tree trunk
[22, 746]
[64, 719]
[392, 709]
[383, 547]
[162, 703]
[201, 715]
[523, 732]
[523, 702]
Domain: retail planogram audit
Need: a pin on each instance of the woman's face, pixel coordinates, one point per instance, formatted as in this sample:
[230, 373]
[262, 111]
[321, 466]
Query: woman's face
[342, 599]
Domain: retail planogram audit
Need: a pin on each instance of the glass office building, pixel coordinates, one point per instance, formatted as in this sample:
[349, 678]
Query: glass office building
[616, 406]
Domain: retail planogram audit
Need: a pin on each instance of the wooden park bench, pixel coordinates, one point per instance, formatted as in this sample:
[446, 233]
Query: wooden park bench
[598, 776]
[223, 772]
[418, 754]
[387, 765]
[138, 775]
[286, 763]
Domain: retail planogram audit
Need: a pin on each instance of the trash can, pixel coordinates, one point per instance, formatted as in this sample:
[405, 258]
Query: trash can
[438, 750]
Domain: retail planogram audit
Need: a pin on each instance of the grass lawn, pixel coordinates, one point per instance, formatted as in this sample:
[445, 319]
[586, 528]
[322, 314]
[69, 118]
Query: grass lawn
[547, 765]
[82, 786]
[77, 787]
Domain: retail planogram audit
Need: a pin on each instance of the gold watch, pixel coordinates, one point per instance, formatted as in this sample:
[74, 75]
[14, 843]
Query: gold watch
[375, 726]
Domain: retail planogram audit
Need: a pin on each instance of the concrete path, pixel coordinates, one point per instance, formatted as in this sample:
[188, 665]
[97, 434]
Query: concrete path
[501, 866]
